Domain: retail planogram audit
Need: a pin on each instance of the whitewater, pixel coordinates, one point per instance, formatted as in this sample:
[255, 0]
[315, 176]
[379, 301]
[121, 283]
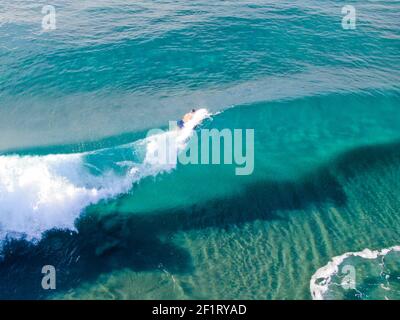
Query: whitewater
[40, 193]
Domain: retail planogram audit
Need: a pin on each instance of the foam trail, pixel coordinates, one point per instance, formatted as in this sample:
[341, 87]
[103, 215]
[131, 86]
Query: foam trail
[320, 281]
[39, 193]
[163, 149]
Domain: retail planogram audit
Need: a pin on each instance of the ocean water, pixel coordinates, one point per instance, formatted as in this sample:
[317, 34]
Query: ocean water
[80, 190]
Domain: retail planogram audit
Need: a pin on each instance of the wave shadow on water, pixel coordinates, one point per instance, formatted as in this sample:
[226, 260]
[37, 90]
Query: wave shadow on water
[140, 242]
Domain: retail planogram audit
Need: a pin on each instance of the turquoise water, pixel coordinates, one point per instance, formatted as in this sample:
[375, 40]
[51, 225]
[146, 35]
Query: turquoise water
[77, 191]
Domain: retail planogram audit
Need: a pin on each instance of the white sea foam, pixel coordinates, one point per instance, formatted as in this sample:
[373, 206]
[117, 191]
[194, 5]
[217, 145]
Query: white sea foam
[320, 281]
[39, 193]
[162, 149]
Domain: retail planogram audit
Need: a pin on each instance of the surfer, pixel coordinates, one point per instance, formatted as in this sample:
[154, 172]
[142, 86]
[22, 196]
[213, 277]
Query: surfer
[187, 117]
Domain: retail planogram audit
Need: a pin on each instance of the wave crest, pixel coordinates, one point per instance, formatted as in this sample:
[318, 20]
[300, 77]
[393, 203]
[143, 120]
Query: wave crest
[39, 193]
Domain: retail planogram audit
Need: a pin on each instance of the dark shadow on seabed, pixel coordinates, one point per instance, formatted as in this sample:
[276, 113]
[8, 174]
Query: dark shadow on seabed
[115, 241]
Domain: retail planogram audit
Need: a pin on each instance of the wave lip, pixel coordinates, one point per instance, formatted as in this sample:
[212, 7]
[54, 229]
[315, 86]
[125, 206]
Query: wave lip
[39, 193]
[320, 280]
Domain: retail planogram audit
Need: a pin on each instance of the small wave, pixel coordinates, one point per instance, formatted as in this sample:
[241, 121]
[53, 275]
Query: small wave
[39, 193]
[323, 278]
